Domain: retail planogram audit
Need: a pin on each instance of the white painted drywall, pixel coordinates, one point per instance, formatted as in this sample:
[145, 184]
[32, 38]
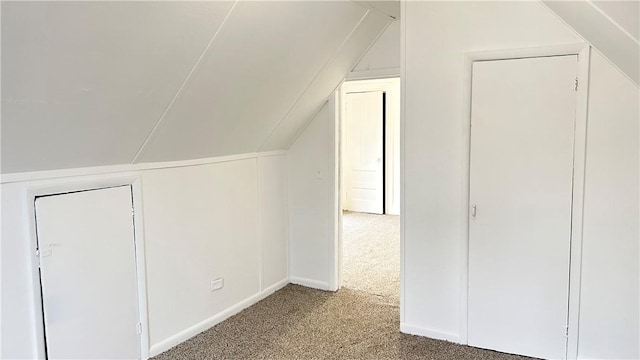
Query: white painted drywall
[609, 310]
[200, 222]
[207, 210]
[437, 34]
[311, 201]
[383, 57]
[272, 192]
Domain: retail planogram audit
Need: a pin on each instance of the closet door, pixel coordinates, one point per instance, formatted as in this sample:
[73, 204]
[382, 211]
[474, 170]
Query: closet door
[522, 131]
[88, 274]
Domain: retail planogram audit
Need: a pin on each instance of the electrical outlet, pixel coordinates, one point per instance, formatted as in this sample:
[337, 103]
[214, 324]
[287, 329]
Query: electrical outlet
[217, 284]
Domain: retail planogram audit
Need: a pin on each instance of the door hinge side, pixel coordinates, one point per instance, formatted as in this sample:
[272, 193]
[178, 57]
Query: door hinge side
[139, 328]
[576, 88]
[38, 257]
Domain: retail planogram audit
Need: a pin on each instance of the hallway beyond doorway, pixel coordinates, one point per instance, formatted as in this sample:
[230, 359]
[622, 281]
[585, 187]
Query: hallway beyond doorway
[371, 254]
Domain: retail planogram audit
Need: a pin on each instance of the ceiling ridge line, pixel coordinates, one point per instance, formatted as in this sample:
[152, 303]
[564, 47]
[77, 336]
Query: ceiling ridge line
[184, 84]
[326, 64]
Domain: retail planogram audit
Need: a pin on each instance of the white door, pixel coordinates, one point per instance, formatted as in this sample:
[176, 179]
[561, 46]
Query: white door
[363, 152]
[522, 130]
[88, 274]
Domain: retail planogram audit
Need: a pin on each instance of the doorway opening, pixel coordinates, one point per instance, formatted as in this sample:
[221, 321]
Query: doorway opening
[369, 189]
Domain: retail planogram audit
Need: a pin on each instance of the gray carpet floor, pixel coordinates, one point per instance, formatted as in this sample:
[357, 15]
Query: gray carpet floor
[371, 254]
[360, 321]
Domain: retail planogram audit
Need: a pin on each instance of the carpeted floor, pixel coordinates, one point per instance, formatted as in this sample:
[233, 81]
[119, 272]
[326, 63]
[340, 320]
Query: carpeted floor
[360, 321]
[371, 254]
[302, 323]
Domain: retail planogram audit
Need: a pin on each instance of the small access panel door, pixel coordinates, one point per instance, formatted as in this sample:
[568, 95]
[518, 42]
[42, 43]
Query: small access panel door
[88, 274]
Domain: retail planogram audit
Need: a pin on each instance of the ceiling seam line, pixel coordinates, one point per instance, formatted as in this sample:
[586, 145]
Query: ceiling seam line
[299, 133]
[329, 61]
[184, 84]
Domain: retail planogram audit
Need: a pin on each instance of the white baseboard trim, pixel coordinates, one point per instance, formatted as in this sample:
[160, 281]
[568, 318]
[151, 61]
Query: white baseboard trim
[430, 333]
[196, 329]
[315, 284]
[273, 288]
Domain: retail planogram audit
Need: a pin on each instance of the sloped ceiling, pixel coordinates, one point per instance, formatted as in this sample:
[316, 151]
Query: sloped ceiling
[100, 83]
[385, 53]
[612, 27]
[391, 8]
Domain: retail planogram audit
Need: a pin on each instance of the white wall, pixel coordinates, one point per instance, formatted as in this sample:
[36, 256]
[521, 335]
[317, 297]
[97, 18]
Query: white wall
[274, 208]
[383, 58]
[311, 168]
[609, 307]
[201, 222]
[436, 36]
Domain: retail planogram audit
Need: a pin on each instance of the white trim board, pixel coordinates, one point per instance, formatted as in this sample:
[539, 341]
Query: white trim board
[401, 124]
[373, 74]
[110, 169]
[583, 51]
[196, 329]
[430, 333]
[314, 284]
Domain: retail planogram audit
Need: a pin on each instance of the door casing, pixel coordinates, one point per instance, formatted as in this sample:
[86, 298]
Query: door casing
[583, 52]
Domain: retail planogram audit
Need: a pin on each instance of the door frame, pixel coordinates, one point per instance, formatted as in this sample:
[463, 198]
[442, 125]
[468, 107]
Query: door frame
[61, 187]
[392, 117]
[583, 51]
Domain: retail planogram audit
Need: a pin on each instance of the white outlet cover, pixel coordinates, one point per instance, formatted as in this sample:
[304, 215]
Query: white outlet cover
[217, 284]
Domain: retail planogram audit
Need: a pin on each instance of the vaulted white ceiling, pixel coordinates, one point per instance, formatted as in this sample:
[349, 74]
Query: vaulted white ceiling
[100, 83]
